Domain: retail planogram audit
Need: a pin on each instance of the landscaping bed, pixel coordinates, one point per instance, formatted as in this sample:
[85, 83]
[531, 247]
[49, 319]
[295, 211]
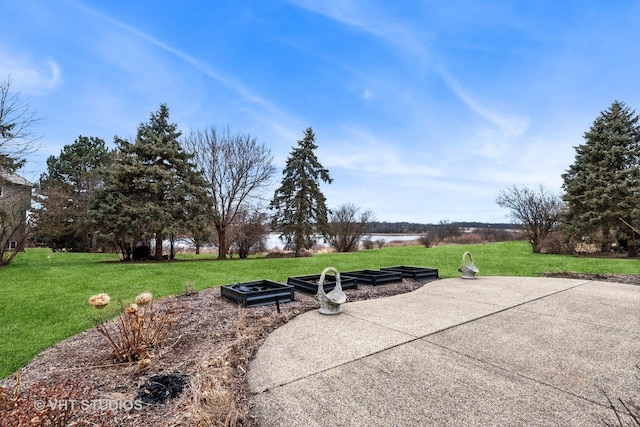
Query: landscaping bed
[210, 347]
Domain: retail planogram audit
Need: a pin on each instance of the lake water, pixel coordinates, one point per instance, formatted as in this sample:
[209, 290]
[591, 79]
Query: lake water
[273, 242]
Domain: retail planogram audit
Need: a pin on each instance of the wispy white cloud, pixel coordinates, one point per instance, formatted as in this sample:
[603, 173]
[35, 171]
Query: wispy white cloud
[245, 93]
[368, 94]
[496, 135]
[366, 17]
[269, 118]
[364, 153]
[491, 137]
[509, 124]
[30, 76]
[206, 69]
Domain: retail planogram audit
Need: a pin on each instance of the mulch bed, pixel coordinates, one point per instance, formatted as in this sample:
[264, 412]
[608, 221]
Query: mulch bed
[210, 349]
[629, 279]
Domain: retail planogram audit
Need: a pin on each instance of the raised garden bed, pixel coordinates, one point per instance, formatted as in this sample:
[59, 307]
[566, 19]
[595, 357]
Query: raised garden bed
[374, 277]
[260, 292]
[309, 284]
[415, 273]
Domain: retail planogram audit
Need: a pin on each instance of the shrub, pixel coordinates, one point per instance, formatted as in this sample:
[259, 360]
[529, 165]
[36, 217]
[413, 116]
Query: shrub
[465, 239]
[189, 288]
[558, 242]
[428, 239]
[141, 253]
[368, 244]
[280, 254]
[139, 328]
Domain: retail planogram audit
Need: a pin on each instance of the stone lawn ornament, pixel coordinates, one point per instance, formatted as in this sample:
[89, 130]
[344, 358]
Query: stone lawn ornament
[468, 269]
[330, 303]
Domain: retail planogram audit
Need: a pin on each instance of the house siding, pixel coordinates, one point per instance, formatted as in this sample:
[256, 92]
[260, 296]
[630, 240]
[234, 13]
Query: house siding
[15, 202]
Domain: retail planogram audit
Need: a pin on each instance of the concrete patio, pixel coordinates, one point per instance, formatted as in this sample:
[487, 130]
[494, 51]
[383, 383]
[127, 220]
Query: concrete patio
[490, 351]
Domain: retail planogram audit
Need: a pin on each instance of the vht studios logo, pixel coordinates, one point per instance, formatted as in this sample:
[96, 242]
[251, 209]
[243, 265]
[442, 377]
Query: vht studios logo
[94, 405]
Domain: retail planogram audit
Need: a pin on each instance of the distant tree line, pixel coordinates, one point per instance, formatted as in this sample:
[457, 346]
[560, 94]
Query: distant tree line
[377, 227]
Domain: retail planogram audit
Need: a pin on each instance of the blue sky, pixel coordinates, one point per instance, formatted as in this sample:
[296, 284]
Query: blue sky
[423, 110]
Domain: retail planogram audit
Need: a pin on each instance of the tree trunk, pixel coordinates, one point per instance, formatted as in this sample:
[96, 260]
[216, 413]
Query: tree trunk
[222, 243]
[298, 242]
[158, 254]
[605, 246]
[172, 247]
[94, 241]
[632, 247]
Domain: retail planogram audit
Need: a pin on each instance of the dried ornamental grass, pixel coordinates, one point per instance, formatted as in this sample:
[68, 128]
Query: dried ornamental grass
[132, 309]
[139, 328]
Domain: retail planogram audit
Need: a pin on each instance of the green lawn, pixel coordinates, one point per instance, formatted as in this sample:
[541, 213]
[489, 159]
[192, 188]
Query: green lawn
[43, 295]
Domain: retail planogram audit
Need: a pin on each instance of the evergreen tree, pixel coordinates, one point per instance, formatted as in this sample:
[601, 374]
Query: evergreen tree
[153, 190]
[64, 194]
[299, 205]
[603, 184]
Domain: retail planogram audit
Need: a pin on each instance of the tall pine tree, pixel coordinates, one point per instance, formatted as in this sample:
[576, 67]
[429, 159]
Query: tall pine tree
[299, 205]
[603, 184]
[153, 190]
[65, 192]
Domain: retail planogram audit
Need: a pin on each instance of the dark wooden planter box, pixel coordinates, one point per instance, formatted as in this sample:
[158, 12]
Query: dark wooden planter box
[374, 277]
[260, 292]
[415, 273]
[309, 284]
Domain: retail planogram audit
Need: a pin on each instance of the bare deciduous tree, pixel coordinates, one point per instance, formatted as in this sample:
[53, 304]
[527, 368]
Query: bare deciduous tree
[537, 210]
[346, 226]
[17, 121]
[428, 239]
[249, 231]
[380, 243]
[16, 140]
[236, 169]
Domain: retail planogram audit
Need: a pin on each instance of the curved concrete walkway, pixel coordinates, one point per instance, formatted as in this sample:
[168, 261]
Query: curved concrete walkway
[508, 351]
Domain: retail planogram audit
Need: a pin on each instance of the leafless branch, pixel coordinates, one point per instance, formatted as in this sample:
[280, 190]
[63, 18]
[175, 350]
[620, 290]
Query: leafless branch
[17, 121]
[236, 167]
[536, 209]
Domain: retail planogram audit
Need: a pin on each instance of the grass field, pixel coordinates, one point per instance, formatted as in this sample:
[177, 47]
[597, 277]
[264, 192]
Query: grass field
[43, 295]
